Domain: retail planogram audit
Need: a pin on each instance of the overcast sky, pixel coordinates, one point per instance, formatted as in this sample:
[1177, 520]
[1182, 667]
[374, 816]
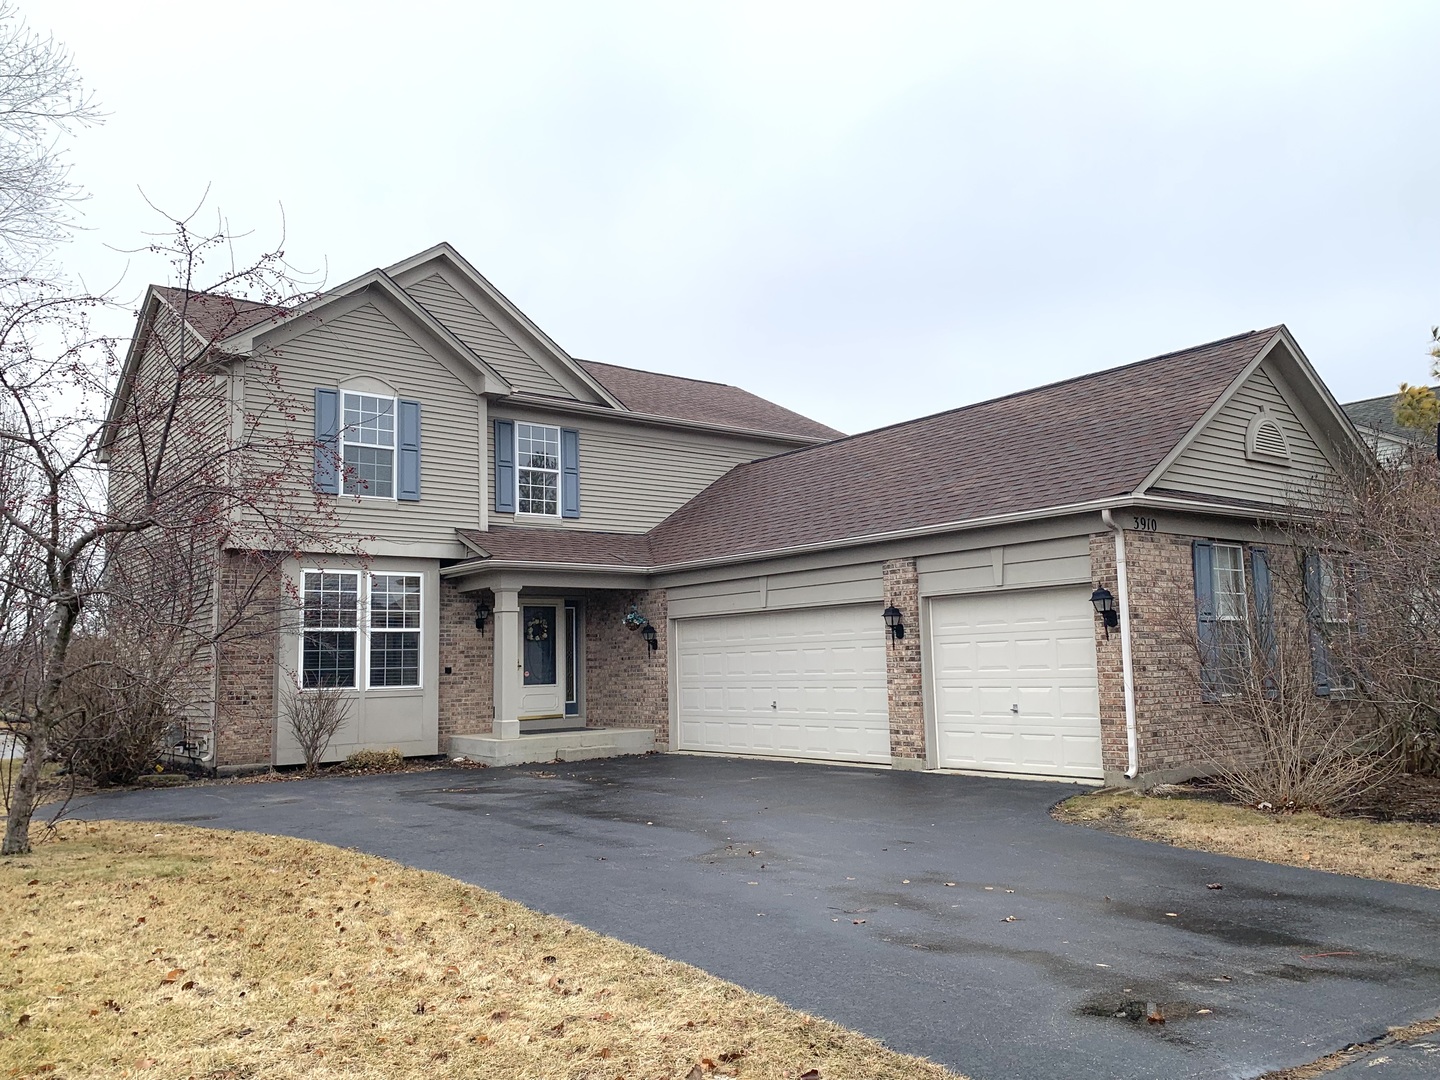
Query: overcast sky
[864, 212]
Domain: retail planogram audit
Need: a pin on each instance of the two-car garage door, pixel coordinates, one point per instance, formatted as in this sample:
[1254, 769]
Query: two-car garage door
[807, 683]
[1011, 675]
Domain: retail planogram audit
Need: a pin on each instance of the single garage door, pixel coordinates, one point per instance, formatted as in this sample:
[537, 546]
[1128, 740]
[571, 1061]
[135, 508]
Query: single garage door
[807, 684]
[1014, 682]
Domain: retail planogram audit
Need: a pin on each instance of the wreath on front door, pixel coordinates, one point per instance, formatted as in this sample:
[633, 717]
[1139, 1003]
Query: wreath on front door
[537, 629]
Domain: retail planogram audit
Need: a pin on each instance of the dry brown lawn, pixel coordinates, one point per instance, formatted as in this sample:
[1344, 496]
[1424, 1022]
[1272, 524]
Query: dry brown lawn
[149, 950]
[1407, 852]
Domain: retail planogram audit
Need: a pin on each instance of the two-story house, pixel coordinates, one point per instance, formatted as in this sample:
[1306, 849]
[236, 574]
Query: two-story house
[564, 558]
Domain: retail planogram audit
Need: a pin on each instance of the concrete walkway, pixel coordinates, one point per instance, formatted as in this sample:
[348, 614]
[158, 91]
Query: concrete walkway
[948, 916]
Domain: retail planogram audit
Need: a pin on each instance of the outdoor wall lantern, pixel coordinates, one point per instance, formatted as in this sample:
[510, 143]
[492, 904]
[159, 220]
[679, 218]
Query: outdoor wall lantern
[482, 612]
[1105, 608]
[893, 619]
[648, 633]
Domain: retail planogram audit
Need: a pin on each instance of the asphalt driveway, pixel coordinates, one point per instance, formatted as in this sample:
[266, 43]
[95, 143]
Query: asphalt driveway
[884, 901]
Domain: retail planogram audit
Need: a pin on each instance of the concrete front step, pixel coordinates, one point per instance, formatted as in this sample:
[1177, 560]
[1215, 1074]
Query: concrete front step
[554, 745]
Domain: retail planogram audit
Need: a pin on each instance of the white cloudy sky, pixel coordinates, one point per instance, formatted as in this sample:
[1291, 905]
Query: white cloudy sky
[864, 211]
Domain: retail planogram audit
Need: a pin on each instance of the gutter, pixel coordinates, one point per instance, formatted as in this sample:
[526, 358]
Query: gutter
[1127, 667]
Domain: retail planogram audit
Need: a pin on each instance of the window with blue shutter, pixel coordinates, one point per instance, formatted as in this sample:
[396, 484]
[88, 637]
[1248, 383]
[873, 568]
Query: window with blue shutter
[569, 473]
[1328, 608]
[504, 466]
[407, 487]
[327, 441]
[1265, 618]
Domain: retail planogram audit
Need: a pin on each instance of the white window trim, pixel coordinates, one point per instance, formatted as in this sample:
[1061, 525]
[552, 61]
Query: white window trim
[559, 470]
[356, 630]
[362, 631]
[394, 446]
[419, 632]
[1331, 570]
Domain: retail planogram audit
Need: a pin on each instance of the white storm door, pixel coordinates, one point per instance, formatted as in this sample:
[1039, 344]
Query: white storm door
[808, 683]
[543, 660]
[1014, 683]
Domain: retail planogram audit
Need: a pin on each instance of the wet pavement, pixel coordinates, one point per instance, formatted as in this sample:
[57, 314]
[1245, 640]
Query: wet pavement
[948, 916]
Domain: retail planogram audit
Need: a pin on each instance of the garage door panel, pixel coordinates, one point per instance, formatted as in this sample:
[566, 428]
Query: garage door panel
[823, 668]
[1034, 649]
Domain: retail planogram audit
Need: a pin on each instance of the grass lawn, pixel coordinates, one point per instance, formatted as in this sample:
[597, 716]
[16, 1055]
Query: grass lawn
[1407, 852]
[141, 949]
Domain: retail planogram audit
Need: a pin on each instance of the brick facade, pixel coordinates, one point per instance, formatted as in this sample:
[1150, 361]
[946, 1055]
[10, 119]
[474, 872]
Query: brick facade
[627, 685]
[904, 691]
[467, 665]
[245, 671]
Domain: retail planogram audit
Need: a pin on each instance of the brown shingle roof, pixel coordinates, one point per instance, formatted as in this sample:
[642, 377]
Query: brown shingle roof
[1087, 438]
[214, 315]
[705, 402]
[525, 543]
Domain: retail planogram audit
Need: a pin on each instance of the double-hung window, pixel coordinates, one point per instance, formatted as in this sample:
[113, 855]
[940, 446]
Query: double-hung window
[1223, 617]
[1327, 600]
[367, 445]
[330, 645]
[537, 469]
[394, 630]
[328, 649]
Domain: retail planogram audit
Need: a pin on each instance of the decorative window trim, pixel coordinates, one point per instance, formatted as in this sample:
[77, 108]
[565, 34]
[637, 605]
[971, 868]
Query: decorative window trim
[346, 472]
[1265, 439]
[364, 629]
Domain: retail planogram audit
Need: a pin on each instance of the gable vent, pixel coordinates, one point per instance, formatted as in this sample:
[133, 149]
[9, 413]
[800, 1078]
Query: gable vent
[1265, 440]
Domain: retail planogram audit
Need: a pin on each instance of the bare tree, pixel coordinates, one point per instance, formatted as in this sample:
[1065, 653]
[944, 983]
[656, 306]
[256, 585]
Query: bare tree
[1376, 620]
[42, 100]
[115, 521]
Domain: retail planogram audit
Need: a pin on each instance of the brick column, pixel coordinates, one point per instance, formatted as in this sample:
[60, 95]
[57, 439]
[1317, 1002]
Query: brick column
[903, 685]
[467, 665]
[245, 706]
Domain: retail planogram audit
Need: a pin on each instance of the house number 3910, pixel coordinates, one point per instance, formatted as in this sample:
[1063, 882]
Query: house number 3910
[1145, 524]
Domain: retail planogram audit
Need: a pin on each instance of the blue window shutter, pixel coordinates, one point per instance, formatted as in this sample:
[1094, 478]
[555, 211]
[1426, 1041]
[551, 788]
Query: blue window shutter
[505, 466]
[407, 487]
[1265, 618]
[1319, 650]
[1206, 625]
[569, 473]
[327, 441]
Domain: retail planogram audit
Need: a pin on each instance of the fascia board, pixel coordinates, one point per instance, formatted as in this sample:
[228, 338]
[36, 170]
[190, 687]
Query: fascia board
[247, 341]
[522, 400]
[1114, 502]
[139, 341]
[1209, 414]
[405, 268]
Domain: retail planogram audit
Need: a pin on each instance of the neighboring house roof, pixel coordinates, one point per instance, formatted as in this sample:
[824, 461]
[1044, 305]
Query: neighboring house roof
[1060, 445]
[704, 402]
[1378, 414]
[215, 315]
[520, 543]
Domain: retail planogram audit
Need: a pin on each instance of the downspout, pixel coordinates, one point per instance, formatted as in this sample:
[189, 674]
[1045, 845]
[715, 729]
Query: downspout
[1127, 667]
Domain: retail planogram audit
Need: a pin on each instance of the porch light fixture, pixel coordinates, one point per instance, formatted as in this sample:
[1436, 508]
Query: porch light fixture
[894, 620]
[482, 612]
[1105, 608]
[648, 633]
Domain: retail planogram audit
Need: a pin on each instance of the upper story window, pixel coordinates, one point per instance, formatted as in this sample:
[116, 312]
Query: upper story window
[367, 445]
[537, 469]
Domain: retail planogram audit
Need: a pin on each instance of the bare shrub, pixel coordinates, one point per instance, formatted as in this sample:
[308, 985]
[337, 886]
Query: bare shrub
[375, 761]
[313, 717]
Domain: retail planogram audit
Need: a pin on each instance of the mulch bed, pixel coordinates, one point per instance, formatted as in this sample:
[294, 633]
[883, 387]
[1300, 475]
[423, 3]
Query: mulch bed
[1405, 798]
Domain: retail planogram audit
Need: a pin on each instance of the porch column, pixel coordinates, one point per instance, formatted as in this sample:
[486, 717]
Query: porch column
[507, 663]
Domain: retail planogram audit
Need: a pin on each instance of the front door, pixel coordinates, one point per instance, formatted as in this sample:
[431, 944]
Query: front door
[544, 660]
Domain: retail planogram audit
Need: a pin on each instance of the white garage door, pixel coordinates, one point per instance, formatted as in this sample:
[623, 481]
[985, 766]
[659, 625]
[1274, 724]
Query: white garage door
[1014, 682]
[804, 684]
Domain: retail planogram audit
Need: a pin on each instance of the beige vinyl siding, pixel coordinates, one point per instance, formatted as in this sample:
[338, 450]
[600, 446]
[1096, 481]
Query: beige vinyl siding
[857, 583]
[491, 343]
[366, 343]
[1215, 463]
[633, 476]
[1064, 560]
